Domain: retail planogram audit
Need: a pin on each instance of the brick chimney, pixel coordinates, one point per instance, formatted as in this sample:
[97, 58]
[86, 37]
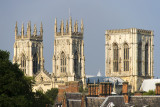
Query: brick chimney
[93, 89]
[125, 92]
[157, 88]
[83, 101]
[105, 88]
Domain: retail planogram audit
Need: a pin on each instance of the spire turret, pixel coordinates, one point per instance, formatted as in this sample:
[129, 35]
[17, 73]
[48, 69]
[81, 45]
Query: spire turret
[35, 30]
[41, 30]
[82, 28]
[76, 26]
[67, 26]
[22, 31]
[16, 30]
[55, 27]
[70, 25]
[29, 35]
[62, 27]
[67, 29]
[29, 29]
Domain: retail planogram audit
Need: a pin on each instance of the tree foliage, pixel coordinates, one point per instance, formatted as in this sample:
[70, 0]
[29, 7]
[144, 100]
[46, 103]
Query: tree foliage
[41, 99]
[52, 94]
[150, 92]
[15, 88]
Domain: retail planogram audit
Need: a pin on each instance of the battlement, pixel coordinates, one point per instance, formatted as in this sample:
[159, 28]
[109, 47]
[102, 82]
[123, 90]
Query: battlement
[130, 31]
[68, 29]
[28, 34]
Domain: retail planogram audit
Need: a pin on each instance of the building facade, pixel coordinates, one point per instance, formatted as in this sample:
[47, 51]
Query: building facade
[28, 50]
[129, 55]
[68, 57]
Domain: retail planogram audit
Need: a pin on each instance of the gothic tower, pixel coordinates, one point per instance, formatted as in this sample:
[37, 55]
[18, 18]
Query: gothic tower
[28, 50]
[68, 57]
[129, 55]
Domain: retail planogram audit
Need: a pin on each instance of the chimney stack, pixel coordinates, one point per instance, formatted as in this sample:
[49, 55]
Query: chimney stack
[125, 92]
[157, 88]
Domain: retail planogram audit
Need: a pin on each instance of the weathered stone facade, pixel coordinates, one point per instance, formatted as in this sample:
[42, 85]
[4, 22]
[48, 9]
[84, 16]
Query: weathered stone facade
[129, 55]
[28, 50]
[43, 81]
[68, 57]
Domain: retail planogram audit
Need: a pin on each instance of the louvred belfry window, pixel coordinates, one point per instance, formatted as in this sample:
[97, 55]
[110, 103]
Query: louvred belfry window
[126, 57]
[63, 62]
[115, 58]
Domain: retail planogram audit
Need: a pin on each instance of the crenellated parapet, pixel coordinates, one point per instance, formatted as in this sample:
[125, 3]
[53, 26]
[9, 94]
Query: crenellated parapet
[66, 30]
[131, 31]
[28, 34]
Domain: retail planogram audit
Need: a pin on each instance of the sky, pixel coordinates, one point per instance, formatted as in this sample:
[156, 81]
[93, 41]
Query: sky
[98, 16]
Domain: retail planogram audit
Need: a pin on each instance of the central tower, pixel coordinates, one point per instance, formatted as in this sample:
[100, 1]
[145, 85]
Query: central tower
[68, 58]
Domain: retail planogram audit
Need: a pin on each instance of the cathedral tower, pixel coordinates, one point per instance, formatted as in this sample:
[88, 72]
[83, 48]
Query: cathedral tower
[68, 57]
[28, 50]
[129, 55]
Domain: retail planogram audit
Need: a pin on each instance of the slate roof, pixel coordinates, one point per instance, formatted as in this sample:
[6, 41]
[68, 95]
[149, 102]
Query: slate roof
[135, 101]
[73, 99]
[95, 79]
[75, 96]
[94, 101]
[141, 101]
[118, 101]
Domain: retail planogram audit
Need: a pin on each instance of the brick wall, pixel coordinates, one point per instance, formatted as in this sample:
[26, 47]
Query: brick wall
[69, 87]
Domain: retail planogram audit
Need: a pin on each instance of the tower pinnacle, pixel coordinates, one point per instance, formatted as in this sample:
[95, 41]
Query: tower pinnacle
[41, 30]
[67, 26]
[55, 27]
[70, 25]
[62, 27]
[76, 26]
[35, 30]
[22, 31]
[29, 29]
[82, 28]
[16, 30]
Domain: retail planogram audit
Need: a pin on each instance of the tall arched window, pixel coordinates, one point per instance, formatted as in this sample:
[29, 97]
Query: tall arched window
[146, 59]
[23, 64]
[140, 58]
[115, 57]
[35, 63]
[76, 62]
[126, 57]
[63, 62]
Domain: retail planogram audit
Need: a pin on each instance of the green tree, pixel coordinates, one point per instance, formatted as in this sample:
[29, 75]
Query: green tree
[150, 92]
[41, 100]
[52, 94]
[15, 88]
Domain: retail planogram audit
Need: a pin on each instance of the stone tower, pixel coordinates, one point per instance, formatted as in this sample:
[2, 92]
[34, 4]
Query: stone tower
[68, 57]
[28, 50]
[129, 55]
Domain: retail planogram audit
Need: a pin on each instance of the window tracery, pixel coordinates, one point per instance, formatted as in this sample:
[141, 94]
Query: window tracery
[146, 59]
[115, 57]
[23, 64]
[63, 62]
[126, 57]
